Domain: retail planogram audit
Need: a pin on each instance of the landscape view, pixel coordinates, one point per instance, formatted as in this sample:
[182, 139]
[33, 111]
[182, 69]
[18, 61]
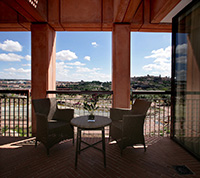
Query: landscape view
[157, 121]
[137, 83]
[84, 63]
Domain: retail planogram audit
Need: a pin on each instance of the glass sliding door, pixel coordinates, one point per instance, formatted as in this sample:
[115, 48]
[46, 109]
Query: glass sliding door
[186, 77]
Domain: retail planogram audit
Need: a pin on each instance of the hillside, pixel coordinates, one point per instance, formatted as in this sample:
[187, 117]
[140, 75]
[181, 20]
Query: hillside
[137, 83]
[151, 83]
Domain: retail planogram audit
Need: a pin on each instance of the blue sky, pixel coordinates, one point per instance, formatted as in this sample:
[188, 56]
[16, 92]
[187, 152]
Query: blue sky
[86, 55]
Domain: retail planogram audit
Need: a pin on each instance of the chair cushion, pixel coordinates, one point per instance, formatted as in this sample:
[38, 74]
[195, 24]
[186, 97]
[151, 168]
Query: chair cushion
[45, 106]
[117, 113]
[117, 124]
[60, 128]
[116, 130]
[53, 124]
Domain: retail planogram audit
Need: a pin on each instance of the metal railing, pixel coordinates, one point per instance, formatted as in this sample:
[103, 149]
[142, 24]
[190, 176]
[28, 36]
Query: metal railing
[187, 114]
[15, 107]
[14, 113]
[75, 100]
[158, 118]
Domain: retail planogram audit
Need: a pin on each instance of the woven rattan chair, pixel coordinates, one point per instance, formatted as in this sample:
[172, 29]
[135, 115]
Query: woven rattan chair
[53, 124]
[127, 125]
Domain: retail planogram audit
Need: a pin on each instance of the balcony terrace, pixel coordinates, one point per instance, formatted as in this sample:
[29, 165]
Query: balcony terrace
[18, 155]
[20, 158]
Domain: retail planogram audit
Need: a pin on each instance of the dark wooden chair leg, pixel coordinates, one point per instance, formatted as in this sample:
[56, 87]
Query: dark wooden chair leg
[144, 147]
[103, 146]
[35, 143]
[79, 141]
[77, 148]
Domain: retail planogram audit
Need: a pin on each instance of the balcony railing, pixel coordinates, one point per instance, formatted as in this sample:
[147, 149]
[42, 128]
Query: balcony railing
[158, 119]
[14, 113]
[75, 99]
[15, 118]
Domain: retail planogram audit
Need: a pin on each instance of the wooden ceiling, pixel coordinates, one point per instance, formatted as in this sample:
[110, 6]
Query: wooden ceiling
[86, 15]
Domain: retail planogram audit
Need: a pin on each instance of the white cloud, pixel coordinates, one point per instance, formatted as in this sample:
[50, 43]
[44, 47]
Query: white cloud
[10, 46]
[160, 53]
[94, 44]
[20, 70]
[162, 63]
[181, 75]
[150, 67]
[12, 69]
[13, 73]
[181, 59]
[85, 69]
[10, 57]
[163, 69]
[87, 58]
[62, 65]
[27, 57]
[66, 55]
[161, 60]
[63, 73]
[76, 64]
[181, 49]
[29, 65]
[98, 76]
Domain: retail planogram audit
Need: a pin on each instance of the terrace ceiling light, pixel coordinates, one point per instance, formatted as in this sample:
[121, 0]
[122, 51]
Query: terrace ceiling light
[34, 3]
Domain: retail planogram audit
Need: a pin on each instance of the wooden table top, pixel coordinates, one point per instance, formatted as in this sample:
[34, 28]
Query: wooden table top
[82, 122]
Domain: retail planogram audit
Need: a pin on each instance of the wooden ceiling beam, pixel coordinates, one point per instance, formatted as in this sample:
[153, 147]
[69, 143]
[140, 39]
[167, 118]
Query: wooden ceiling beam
[131, 10]
[124, 10]
[9, 19]
[26, 9]
[160, 8]
[120, 8]
[143, 15]
[15, 6]
[156, 28]
[38, 11]
[146, 12]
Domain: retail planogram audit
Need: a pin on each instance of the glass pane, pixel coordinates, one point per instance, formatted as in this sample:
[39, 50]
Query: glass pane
[187, 78]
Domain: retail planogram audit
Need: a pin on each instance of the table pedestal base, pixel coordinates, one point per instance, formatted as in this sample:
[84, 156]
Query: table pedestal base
[79, 141]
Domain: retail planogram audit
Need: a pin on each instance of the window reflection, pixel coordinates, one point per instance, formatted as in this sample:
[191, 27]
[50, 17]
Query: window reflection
[187, 78]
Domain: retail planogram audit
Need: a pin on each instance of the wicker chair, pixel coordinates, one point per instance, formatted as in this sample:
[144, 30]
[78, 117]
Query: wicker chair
[127, 125]
[53, 124]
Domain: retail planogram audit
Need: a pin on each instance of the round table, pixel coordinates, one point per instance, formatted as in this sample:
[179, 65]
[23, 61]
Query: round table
[82, 124]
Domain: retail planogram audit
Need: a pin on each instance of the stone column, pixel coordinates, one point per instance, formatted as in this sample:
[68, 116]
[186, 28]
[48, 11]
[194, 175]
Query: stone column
[121, 65]
[43, 66]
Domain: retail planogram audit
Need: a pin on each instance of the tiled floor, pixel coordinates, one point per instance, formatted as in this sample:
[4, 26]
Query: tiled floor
[24, 160]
